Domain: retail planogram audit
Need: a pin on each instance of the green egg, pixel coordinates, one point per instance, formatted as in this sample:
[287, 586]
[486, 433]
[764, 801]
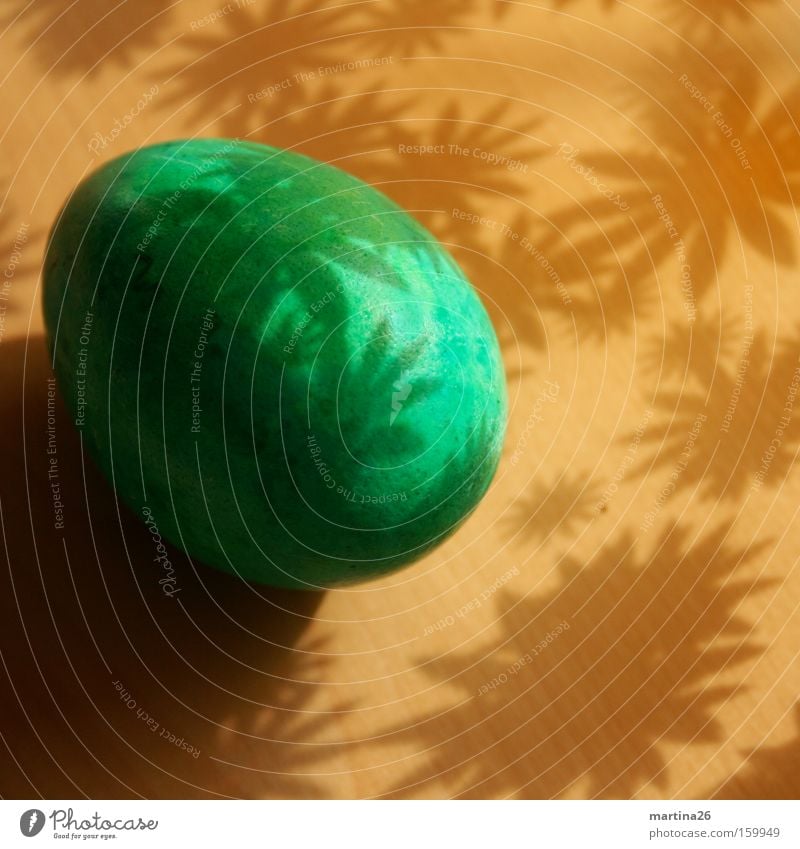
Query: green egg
[274, 365]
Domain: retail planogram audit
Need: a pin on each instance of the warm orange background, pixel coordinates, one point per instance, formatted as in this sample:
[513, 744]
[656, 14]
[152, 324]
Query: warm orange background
[678, 675]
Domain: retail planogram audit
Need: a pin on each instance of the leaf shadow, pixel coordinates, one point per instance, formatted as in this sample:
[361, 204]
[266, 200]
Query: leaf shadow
[694, 16]
[418, 26]
[548, 510]
[88, 35]
[564, 282]
[597, 680]
[248, 62]
[735, 431]
[477, 156]
[692, 349]
[703, 184]
[706, 18]
[770, 772]
[607, 5]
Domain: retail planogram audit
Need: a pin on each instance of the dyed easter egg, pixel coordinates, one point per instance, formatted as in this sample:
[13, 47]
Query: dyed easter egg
[274, 365]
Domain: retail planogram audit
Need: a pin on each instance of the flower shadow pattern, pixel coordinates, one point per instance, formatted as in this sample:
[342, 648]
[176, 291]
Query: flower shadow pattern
[269, 52]
[770, 772]
[88, 35]
[418, 26]
[707, 17]
[549, 510]
[744, 159]
[735, 433]
[648, 644]
[250, 62]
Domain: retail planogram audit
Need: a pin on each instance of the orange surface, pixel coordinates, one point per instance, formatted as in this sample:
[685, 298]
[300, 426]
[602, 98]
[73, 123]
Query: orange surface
[620, 616]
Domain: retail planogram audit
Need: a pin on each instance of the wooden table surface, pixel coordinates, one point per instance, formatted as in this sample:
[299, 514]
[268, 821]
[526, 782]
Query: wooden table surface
[620, 616]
